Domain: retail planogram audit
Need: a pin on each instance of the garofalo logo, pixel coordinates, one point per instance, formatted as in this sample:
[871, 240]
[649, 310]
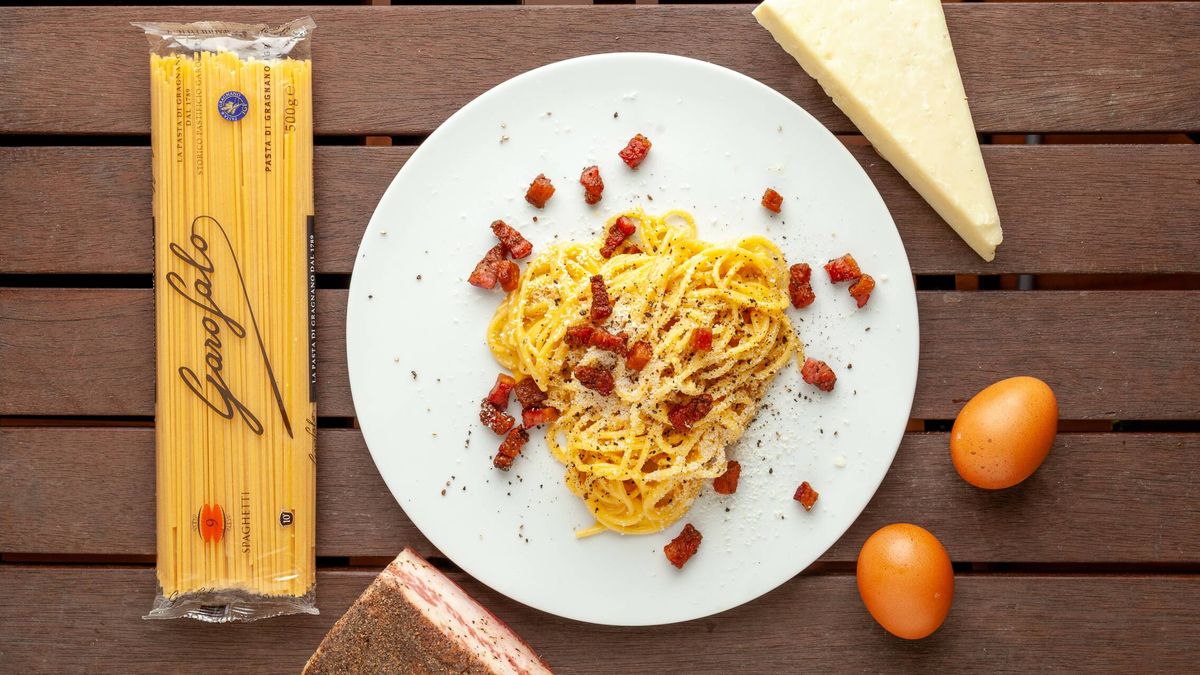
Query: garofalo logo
[219, 325]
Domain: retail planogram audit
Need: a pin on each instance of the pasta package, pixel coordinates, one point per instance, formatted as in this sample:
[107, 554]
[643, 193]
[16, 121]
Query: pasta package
[231, 132]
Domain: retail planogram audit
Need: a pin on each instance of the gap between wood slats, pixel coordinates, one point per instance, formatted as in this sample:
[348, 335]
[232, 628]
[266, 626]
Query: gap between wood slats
[51, 140]
[819, 568]
[923, 282]
[1065, 426]
[143, 140]
[1131, 281]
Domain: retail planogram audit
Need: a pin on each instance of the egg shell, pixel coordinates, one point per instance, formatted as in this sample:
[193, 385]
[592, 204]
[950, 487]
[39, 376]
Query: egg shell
[1003, 434]
[906, 581]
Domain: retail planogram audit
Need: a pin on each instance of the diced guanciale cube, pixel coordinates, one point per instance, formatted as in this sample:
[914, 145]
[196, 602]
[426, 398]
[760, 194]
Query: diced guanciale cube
[639, 355]
[818, 374]
[495, 419]
[772, 200]
[529, 394]
[484, 275]
[726, 483]
[806, 495]
[593, 185]
[635, 151]
[683, 547]
[842, 269]
[601, 305]
[702, 339]
[579, 336]
[682, 417]
[622, 229]
[861, 290]
[510, 447]
[508, 274]
[540, 191]
[800, 285]
[602, 339]
[513, 242]
[498, 396]
[596, 379]
[532, 417]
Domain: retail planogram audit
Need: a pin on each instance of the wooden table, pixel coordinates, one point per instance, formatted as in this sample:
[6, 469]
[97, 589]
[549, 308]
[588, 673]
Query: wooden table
[1090, 114]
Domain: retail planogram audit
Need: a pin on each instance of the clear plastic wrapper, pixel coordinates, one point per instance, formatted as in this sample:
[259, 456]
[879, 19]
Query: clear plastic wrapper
[231, 126]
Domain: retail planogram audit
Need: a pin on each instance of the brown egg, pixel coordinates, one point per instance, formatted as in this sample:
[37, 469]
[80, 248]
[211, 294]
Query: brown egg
[905, 580]
[1003, 434]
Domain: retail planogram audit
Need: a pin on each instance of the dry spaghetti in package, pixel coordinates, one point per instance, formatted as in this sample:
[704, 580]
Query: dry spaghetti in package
[231, 123]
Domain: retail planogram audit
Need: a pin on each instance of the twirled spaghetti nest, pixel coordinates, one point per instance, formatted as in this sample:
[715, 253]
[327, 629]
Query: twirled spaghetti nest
[636, 472]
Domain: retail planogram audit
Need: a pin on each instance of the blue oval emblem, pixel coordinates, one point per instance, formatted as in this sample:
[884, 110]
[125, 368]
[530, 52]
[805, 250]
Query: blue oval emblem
[233, 105]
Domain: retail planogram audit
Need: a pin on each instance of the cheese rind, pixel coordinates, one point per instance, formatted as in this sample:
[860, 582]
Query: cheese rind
[890, 67]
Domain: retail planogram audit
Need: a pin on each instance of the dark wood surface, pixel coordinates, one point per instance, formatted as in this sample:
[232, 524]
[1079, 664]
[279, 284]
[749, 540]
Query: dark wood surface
[1018, 623]
[91, 351]
[402, 70]
[1091, 565]
[1065, 209]
[1088, 486]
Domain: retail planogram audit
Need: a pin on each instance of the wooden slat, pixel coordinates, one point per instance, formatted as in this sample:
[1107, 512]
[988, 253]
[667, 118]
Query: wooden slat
[85, 210]
[1043, 67]
[1110, 483]
[105, 352]
[1018, 623]
[1091, 209]
[1108, 355]
[44, 472]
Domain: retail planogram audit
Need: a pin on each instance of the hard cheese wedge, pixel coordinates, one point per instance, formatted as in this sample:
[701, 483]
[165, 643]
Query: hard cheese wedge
[889, 65]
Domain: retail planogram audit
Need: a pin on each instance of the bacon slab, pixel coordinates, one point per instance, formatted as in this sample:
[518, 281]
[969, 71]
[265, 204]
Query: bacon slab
[726, 483]
[861, 289]
[498, 396]
[495, 419]
[842, 269]
[800, 285]
[818, 374]
[684, 416]
[540, 191]
[635, 151]
[702, 339]
[529, 394]
[806, 495]
[508, 274]
[484, 275]
[596, 379]
[412, 618]
[510, 447]
[593, 185]
[601, 305]
[683, 547]
[621, 230]
[772, 200]
[579, 336]
[514, 244]
[639, 355]
[602, 339]
[533, 417]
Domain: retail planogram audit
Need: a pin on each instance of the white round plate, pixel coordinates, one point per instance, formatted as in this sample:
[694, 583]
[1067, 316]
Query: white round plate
[419, 364]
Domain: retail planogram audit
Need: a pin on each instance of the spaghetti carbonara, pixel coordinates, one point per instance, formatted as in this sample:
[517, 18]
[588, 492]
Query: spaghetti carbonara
[713, 317]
